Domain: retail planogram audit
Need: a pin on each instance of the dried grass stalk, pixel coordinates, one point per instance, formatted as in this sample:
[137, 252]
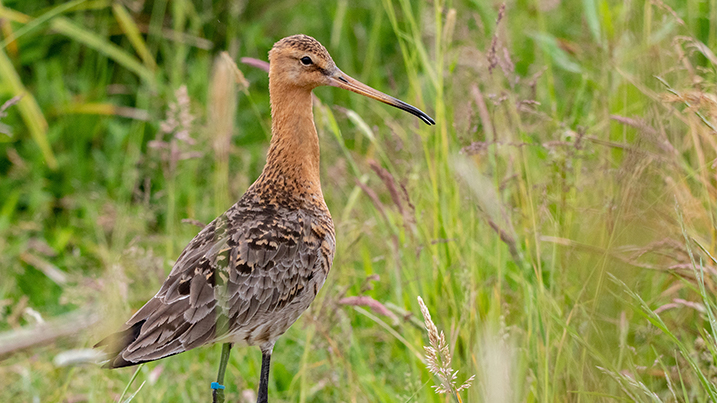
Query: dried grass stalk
[438, 359]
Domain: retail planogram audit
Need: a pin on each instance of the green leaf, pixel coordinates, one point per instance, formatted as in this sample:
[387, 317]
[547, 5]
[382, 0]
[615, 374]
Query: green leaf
[29, 109]
[560, 57]
[591, 16]
[131, 30]
[114, 52]
[33, 24]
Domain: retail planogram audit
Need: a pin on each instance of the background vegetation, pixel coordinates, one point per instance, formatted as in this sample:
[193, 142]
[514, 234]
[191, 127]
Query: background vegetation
[558, 221]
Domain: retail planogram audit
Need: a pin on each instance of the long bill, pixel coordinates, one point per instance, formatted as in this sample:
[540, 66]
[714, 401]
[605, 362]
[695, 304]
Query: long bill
[344, 81]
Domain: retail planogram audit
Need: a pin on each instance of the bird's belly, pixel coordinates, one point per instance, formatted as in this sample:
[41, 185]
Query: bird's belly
[268, 326]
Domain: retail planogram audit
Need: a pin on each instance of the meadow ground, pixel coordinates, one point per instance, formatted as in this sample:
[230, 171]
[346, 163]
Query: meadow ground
[558, 221]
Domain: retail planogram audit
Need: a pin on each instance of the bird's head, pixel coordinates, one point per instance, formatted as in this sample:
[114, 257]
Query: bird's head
[300, 61]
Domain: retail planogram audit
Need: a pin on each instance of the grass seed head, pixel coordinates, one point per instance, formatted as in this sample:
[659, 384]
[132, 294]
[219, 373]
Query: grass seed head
[438, 358]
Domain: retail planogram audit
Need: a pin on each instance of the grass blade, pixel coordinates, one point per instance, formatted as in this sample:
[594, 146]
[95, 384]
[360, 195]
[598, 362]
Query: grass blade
[114, 52]
[37, 22]
[129, 384]
[592, 19]
[131, 30]
[14, 16]
[557, 54]
[29, 109]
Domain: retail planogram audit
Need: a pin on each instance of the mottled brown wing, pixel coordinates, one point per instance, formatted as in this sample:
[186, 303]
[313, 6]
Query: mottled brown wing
[246, 276]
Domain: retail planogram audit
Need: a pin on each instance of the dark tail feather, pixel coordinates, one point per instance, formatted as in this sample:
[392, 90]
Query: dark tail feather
[117, 342]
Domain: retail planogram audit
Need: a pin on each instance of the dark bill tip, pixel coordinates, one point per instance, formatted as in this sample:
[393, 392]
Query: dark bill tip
[341, 80]
[413, 111]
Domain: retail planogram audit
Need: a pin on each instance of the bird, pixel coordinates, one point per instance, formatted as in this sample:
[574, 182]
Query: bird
[248, 275]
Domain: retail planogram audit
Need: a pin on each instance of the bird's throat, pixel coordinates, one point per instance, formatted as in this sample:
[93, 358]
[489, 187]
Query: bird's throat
[293, 157]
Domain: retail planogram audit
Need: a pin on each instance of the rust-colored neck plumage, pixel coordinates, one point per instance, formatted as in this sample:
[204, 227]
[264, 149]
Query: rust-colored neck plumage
[292, 163]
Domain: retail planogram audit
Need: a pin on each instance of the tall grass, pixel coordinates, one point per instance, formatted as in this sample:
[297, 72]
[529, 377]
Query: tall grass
[558, 221]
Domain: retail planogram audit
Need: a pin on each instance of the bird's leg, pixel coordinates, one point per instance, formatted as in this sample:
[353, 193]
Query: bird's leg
[218, 386]
[263, 395]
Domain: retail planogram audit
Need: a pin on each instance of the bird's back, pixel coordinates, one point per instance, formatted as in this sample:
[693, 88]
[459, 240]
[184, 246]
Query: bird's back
[245, 278]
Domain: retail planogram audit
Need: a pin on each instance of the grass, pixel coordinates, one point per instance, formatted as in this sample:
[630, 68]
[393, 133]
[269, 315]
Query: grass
[558, 221]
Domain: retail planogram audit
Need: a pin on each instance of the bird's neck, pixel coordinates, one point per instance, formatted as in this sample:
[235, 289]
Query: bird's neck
[292, 163]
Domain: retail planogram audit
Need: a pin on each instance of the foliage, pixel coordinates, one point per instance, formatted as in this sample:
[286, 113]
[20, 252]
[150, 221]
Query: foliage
[558, 220]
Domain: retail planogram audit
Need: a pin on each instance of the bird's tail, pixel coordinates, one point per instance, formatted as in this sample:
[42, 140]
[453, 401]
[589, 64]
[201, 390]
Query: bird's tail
[116, 343]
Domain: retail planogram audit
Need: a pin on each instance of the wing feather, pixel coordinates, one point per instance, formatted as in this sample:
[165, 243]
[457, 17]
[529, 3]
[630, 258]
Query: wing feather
[248, 266]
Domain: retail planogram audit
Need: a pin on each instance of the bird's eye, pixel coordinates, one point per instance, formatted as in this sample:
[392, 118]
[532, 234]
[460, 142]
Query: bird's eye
[306, 60]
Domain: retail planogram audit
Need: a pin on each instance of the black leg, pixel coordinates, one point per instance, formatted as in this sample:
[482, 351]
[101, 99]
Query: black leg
[263, 396]
[218, 389]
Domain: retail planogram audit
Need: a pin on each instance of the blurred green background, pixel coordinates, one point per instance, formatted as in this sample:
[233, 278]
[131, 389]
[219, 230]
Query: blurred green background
[558, 221]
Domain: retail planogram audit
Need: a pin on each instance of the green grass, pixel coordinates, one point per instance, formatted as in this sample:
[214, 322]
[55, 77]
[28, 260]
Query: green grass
[558, 221]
